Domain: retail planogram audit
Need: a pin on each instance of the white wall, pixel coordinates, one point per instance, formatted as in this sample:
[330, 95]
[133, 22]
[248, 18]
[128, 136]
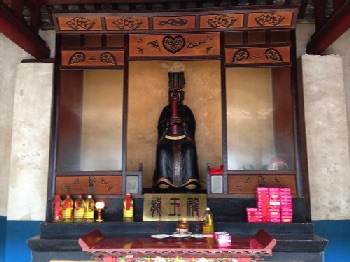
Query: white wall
[11, 56]
[29, 161]
[327, 136]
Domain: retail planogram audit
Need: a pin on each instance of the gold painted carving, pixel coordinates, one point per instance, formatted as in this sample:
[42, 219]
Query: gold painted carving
[257, 55]
[84, 58]
[79, 23]
[178, 45]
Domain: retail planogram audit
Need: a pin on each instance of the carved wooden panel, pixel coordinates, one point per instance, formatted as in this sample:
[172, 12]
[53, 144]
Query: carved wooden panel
[108, 185]
[208, 19]
[127, 23]
[222, 21]
[104, 185]
[271, 19]
[246, 184]
[74, 23]
[92, 58]
[257, 55]
[175, 45]
[174, 22]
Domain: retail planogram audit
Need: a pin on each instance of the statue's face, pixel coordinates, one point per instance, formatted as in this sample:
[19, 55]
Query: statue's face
[175, 96]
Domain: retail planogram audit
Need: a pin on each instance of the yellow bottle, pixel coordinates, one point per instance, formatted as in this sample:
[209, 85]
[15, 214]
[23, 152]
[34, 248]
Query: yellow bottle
[208, 222]
[128, 214]
[89, 212]
[79, 209]
[67, 209]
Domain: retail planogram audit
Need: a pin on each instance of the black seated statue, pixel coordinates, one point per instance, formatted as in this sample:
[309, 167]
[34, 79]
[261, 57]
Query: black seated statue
[176, 166]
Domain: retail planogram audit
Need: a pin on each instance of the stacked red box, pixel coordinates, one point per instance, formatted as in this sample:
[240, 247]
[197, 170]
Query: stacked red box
[274, 196]
[223, 239]
[274, 205]
[275, 215]
[262, 198]
[253, 215]
[286, 205]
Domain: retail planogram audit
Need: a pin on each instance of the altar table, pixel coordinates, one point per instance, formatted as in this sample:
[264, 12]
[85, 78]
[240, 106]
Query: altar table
[145, 248]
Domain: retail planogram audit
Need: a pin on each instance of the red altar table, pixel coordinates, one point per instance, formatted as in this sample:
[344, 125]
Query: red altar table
[189, 249]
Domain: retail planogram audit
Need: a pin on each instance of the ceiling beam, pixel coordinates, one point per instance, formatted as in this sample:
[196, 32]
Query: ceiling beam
[21, 34]
[337, 24]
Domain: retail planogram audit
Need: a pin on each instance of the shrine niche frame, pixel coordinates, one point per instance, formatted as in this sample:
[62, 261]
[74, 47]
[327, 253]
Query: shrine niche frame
[258, 37]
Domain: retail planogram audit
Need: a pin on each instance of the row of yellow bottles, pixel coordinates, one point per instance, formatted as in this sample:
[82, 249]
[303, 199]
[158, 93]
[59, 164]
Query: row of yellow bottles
[69, 210]
[83, 210]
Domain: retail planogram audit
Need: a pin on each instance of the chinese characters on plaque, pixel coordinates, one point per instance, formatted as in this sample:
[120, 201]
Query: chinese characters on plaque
[172, 207]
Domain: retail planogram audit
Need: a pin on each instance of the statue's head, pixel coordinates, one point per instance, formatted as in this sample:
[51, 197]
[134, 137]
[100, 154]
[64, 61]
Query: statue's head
[176, 83]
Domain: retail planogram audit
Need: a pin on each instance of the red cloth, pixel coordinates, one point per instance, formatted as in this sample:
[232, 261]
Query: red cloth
[216, 171]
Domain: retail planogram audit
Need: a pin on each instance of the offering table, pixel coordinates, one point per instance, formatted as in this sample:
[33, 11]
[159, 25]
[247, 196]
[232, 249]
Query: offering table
[176, 249]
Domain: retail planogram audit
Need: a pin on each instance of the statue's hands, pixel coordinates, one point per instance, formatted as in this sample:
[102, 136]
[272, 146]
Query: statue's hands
[175, 120]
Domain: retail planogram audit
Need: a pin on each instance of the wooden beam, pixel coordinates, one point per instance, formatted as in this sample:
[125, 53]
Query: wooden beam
[337, 24]
[21, 34]
[302, 9]
[320, 13]
[59, 2]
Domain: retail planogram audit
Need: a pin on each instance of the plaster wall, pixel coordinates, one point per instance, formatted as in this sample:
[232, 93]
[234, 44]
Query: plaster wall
[327, 136]
[10, 55]
[341, 47]
[15, 181]
[29, 162]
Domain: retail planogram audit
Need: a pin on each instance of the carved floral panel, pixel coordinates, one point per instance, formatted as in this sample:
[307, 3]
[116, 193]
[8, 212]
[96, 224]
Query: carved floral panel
[175, 45]
[80, 23]
[272, 19]
[221, 21]
[246, 184]
[257, 55]
[127, 23]
[85, 58]
[88, 185]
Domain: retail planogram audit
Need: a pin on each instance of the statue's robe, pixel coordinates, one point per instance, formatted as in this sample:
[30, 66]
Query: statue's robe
[176, 165]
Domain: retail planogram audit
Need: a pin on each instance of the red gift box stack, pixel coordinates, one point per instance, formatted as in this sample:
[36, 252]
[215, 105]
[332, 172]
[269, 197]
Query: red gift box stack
[274, 205]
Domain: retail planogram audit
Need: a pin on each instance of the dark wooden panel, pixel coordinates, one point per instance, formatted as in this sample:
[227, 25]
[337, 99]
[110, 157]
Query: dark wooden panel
[108, 185]
[69, 120]
[72, 185]
[246, 184]
[283, 115]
